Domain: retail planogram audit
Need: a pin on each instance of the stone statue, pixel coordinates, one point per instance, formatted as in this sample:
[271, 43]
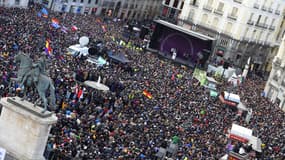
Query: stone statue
[33, 75]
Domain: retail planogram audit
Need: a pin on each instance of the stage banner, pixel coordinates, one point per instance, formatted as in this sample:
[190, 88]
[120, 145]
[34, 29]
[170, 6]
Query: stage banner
[200, 75]
[2, 153]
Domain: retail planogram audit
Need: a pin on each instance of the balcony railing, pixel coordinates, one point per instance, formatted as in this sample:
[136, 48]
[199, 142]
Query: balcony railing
[270, 10]
[250, 22]
[263, 8]
[246, 39]
[256, 5]
[219, 12]
[208, 8]
[272, 28]
[238, 1]
[233, 17]
[262, 25]
[227, 33]
[277, 12]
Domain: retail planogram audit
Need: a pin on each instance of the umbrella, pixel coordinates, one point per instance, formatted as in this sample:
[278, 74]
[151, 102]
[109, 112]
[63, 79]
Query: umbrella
[97, 85]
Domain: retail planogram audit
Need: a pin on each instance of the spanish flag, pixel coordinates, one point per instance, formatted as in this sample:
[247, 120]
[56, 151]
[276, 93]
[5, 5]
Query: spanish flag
[48, 48]
[147, 94]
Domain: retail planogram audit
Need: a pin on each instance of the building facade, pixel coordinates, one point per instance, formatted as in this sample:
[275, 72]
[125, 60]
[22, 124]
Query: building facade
[242, 28]
[171, 9]
[14, 3]
[124, 9]
[275, 86]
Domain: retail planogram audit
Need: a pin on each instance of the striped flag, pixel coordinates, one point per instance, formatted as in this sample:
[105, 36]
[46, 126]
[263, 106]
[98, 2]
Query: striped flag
[55, 23]
[48, 48]
[64, 29]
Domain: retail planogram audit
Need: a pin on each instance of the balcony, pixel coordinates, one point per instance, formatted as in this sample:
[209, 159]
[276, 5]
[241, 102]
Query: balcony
[250, 22]
[238, 1]
[264, 8]
[262, 25]
[277, 12]
[219, 12]
[272, 28]
[232, 17]
[208, 8]
[270, 10]
[256, 5]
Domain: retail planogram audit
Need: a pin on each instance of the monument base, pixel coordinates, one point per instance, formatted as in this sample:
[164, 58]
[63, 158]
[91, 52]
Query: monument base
[24, 129]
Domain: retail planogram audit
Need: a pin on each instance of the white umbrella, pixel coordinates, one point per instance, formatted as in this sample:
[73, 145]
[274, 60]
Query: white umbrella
[97, 85]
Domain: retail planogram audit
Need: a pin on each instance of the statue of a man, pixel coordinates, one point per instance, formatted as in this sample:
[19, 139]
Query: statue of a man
[38, 68]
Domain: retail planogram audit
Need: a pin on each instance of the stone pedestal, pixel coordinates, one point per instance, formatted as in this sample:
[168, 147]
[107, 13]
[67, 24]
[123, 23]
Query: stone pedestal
[24, 129]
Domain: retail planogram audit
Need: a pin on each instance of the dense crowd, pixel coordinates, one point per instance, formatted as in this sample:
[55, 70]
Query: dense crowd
[123, 123]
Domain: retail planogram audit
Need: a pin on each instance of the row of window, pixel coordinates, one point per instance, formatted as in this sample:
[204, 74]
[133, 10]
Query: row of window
[220, 8]
[175, 3]
[82, 1]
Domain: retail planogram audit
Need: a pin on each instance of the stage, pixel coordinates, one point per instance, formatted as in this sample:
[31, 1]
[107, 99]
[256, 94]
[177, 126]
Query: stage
[177, 60]
[187, 46]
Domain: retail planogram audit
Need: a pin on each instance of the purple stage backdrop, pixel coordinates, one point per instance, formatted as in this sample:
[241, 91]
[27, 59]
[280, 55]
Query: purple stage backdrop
[164, 38]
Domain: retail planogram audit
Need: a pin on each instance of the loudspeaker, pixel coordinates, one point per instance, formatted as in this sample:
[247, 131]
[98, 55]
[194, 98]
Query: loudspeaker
[144, 32]
[203, 57]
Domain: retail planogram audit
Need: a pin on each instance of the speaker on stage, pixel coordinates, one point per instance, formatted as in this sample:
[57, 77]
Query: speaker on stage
[203, 56]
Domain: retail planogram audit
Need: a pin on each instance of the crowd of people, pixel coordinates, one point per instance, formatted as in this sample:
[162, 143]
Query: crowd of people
[123, 123]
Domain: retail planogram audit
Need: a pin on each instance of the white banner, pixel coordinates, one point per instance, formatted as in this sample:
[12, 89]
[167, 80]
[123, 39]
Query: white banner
[2, 153]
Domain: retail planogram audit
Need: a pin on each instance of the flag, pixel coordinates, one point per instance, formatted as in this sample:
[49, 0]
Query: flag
[64, 29]
[104, 28]
[74, 28]
[200, 75]
[55, 23]
[54, 20]
[48, 48]
[147, 94]
[39, 14]
[44, 12]
[80, 94]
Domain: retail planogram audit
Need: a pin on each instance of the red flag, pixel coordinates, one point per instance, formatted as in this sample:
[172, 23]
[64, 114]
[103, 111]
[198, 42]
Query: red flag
[147, 94]
[80, 94]
[74, 28]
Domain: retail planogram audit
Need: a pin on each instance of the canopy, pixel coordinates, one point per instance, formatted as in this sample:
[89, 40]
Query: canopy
[232, 97]
[241, 131]
[118, 57]
[227, 73]
[247, 133]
